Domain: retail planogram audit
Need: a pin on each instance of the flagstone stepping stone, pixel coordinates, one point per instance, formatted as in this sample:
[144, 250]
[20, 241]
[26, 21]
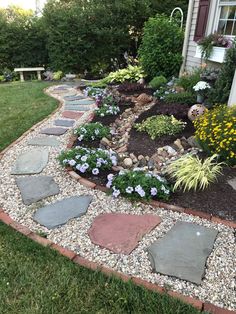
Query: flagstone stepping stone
[77, 108]
[54, 131]
[44, 141]
[59, 213]
[34, 189]
[61, 87]
[120, 233]
[67, 123]
[232, 182]
[83, 102]
[73, 98]
[72, 114]
[31, 162]
[183, 251]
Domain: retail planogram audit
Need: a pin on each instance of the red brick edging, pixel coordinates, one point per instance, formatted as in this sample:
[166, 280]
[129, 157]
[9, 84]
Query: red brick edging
[81, 261]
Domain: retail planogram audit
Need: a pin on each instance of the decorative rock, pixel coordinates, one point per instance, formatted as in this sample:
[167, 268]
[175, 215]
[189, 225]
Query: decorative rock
[59, 213]
[140, 157]
[179, 145]
[44, 141]
[142, 163]
[120, 233]
[232, 182]
[185, 143]
[183, 251]
[31, 162]
[192, 142]
[151, 164]
[54, 131]
[34, 189]
[128, 162]
[77, 108]
[196, 111]
[72, 114]
[104, 141]
[133, 157]
[83, 102]
[66, 123]
[144, 99]
[72, 98]
[170, 150]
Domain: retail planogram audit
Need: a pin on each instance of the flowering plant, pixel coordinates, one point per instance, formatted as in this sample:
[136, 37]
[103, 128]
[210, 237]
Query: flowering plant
[88, 160]
[216, 132]
[138, 184]
[94, 91]
[91, 131]
[201, 86]
[107, 107]
[163, 91]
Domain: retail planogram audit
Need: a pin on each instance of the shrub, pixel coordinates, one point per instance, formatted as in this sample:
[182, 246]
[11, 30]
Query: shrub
[157, 82]
[138, 185]
[215, 132]
[88, 160]
[2, 78]
[190, 172]
[188, 80]
[131, 74]
[220, 93]
[130, 87]
[160, 52]
[160, 125]
[91, 131]
[181, 98]
[57, 75]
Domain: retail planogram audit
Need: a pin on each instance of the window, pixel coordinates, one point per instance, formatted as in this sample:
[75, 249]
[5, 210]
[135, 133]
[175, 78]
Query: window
[227, 18]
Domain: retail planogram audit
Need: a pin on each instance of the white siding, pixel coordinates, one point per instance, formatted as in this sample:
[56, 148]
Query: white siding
[191, 61]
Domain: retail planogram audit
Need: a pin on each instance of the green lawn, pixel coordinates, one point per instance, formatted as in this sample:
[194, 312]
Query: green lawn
[34, 279]
[21, 106]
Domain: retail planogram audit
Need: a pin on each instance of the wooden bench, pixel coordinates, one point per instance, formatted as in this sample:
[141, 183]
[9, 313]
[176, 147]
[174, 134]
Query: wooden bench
[22, 70]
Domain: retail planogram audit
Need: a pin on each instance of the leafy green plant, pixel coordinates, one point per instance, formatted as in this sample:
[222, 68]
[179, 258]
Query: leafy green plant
[85, 160]
[181, 98]
[91, 131]
[57, 75]
[160, 125]
[189, 172]
[2, 78]
[100, 84]
[216, 132]
[138, 184]
[190, 79]
[131, 74]
[160, 52]
[157, 82]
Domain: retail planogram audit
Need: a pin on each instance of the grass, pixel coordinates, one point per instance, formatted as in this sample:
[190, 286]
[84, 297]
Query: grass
[37, 280]
[21, 106]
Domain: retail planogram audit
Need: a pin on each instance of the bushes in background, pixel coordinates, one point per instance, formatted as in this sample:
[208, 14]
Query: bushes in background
[160, 52]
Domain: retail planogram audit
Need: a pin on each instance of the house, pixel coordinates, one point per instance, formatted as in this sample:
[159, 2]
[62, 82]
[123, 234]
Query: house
[206, 17]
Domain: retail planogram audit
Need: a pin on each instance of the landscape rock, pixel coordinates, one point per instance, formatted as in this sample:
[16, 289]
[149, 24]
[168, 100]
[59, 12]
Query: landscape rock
[44, 141]
[128, 162]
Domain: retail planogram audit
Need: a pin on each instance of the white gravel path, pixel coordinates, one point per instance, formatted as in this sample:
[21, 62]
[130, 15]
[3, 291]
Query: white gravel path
[218, 286]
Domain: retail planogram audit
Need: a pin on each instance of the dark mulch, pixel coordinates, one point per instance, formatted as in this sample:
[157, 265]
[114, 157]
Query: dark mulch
[100, 179]
[141, 143]
[219, 199]
[148, 91]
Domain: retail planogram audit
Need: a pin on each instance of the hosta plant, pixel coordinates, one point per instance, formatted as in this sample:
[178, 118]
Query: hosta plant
[157, 126]
[131, 74]
[138, 184]
[91, 131]
[85, 160]
[191, 173]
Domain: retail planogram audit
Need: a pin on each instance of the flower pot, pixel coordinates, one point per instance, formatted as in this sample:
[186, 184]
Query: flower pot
[200, 98]
[217, 55]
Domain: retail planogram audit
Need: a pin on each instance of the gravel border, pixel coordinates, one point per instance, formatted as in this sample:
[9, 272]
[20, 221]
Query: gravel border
[218, 286]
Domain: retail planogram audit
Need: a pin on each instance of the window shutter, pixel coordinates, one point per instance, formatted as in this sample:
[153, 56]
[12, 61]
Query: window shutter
[202, 19]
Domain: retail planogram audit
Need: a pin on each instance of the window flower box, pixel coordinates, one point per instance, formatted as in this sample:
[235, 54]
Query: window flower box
[218, 54]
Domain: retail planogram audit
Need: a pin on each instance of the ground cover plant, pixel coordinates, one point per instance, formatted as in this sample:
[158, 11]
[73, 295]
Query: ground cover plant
[157, 82]
[190, 172]
[138, 184]
[106, 106]
[157, 126]
[22, 105]
[216, 132]
[91, 132]
[87, 160]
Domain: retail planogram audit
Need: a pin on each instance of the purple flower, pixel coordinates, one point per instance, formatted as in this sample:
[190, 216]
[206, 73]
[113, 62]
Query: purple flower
[72, 162]
[95, 171]
[110, 177]
[129, 189]
[116, 193]
[153, 191]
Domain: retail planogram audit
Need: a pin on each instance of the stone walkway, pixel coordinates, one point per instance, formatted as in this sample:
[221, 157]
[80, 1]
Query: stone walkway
[189, 254]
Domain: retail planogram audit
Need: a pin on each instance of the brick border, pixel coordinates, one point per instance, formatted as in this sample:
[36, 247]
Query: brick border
[81, 261]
